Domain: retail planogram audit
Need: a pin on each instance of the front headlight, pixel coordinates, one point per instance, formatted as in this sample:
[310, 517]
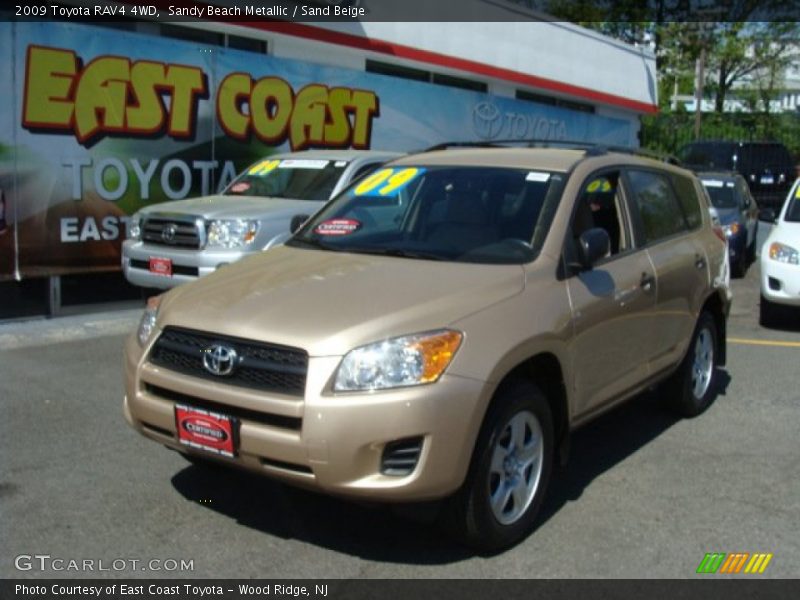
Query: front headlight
[732, 229]
[135, 229]
[147, 324]
[231, 233]
[397, 362]
[783, 253]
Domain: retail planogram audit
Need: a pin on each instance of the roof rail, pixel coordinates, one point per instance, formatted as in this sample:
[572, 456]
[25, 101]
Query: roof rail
[591, 148]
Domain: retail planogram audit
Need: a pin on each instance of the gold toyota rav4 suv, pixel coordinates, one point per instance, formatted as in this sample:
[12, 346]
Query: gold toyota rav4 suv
[439, 328]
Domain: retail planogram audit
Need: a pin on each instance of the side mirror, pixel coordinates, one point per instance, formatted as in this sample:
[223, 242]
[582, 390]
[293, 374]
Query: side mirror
[297, 222]
[593, 245]
[767, 214]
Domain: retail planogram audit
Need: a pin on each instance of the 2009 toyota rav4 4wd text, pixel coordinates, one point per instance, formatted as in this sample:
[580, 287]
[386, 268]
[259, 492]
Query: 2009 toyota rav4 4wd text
[439, 328]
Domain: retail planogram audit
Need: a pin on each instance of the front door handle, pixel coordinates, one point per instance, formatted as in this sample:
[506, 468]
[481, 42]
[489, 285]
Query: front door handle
[699, 261]
[647, 282]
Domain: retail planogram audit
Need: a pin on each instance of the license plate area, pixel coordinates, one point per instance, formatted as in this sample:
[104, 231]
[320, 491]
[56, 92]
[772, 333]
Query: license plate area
[767, 180]
[161, 266]
[207, 430]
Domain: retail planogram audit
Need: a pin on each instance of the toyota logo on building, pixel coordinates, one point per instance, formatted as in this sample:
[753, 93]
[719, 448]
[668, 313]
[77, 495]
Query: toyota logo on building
[487, 120]
[220, 360]
[169, 232]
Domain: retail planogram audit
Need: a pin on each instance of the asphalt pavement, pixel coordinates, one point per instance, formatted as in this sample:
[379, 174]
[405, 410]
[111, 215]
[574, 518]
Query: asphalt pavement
[644, 495]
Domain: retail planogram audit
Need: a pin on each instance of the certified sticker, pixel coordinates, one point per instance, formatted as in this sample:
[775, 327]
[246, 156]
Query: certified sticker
[238, 188]
[337, 227]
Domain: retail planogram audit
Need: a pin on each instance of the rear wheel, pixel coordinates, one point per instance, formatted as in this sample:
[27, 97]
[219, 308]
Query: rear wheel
[739, 268]
[511, 465]
[692, 388]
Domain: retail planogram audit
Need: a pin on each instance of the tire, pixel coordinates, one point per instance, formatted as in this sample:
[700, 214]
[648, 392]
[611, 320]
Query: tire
[693, 387]
[511, 462]
[768, 313]
[739, 268]
[751, 251]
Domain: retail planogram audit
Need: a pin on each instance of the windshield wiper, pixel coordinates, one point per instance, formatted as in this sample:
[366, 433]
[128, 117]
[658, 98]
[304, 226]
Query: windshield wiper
[396, 252]
[312, 243]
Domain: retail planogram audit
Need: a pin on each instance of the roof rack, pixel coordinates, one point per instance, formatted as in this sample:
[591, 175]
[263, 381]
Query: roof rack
[591, 148]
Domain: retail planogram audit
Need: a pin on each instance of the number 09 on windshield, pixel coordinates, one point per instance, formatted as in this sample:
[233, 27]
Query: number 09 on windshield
[387, 182]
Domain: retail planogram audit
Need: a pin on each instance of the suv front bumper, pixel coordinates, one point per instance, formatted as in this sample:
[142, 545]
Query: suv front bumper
[339, 444]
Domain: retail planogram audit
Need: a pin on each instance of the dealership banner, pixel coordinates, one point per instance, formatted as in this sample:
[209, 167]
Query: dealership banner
[102, 122]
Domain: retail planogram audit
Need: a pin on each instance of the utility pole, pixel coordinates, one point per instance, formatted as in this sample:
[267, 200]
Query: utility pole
[699, 82]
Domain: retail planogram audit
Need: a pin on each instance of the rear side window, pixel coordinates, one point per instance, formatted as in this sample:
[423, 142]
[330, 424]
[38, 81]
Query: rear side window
[687, 196]
[660, 214]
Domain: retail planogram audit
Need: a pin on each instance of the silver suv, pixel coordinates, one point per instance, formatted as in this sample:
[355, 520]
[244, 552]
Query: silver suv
[439, 328]
[177, 242]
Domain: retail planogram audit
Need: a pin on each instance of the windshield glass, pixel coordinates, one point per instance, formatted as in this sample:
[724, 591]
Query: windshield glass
[723, 193]
[793, 210]
[754, 156]
[299, 179]
[462, 214]
[711, 156]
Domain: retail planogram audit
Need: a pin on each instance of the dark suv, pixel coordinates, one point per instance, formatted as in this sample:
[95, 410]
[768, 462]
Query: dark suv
[767, 167]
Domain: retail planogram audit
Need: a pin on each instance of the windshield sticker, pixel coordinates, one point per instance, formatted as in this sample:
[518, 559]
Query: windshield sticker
[537, 176]
[264, 167]
[340, 163]
[715, 183]
[303, 163]
[387, 182]
[337, 227]
[599, 185]
[238, 188]
[797, 193]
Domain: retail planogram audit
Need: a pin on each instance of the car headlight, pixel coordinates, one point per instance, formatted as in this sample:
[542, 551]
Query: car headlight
[732, 229]
[783, 253]
[135, 228]
[231, 233]
[147, 324]
[397, 362]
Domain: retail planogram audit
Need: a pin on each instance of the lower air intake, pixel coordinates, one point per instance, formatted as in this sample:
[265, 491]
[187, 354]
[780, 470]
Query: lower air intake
[400, 457]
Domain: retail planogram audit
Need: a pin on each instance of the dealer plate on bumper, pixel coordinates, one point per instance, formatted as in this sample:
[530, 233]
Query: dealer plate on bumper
[205, 430]
[161, 266]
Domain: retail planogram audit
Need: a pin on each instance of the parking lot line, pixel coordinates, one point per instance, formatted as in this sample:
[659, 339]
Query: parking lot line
[764, 342]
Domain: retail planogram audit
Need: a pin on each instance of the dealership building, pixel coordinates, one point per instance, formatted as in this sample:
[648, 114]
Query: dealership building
[105, 118]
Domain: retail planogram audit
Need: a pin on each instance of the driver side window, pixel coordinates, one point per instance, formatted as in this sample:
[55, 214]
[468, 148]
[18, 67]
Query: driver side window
[599, 205]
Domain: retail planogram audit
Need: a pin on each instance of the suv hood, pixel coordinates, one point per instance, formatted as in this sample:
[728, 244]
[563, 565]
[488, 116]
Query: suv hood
[235, 207]
[329, 302]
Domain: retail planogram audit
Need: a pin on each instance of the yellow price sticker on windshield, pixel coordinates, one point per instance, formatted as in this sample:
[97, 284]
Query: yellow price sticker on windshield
[264, 167]
[387, 182]
[601, 185]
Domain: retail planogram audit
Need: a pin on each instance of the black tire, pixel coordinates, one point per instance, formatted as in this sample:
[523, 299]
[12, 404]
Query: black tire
[751, 251]
[693, 387]
[768, 313]
[469, 513]
[739, 268]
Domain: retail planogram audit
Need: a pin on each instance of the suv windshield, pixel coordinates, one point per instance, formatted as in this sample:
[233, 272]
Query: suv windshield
[755, 156]
[299, 179]
[463, 214]
[708, 154]
[723, 193]
[793, 210]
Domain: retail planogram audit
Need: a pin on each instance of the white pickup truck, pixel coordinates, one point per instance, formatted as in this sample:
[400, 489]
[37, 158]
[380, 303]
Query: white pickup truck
[176, 242]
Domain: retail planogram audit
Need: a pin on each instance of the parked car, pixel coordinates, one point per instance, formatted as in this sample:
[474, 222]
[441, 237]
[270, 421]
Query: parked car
[780, 262]
[738, 215]
[439, 329]
[767, 167]
[176, 242]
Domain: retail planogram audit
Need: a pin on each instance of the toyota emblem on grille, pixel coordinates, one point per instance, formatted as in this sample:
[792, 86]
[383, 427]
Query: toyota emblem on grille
[169, 232]
[220, 360]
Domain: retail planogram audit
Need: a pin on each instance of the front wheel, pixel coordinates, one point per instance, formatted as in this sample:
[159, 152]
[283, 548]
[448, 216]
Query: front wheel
[511, 465]
[692, 388]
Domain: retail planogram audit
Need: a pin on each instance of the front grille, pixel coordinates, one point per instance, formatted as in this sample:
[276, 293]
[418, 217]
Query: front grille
[400, 457]
[176, 269]
[176, 232]
[245, 414]
[259, 365]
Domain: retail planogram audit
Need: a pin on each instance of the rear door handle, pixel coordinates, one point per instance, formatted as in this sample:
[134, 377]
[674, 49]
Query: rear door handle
[647, 282]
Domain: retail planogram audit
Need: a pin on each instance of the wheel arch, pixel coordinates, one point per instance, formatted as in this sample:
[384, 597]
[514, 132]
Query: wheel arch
[718, 309]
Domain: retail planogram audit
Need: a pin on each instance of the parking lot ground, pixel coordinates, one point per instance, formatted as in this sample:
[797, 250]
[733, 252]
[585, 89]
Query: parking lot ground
[644, 494]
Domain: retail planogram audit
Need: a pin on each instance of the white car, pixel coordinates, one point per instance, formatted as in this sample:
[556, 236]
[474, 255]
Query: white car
[780, 262]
